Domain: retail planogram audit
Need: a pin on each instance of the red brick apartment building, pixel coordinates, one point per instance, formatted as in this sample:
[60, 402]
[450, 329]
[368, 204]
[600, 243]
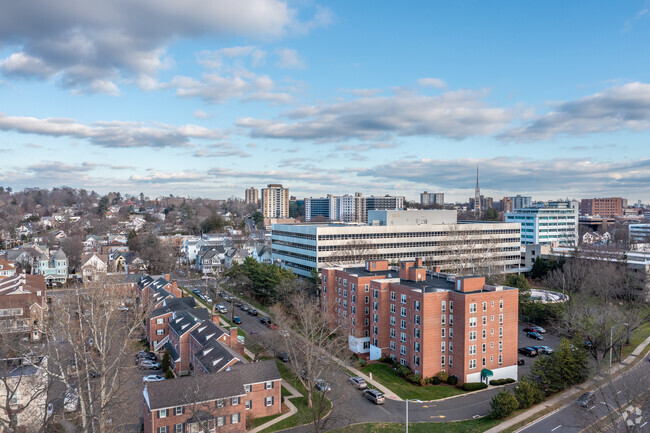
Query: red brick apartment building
[220, 401]
[429, 321]
[604, 207]
[22, 305]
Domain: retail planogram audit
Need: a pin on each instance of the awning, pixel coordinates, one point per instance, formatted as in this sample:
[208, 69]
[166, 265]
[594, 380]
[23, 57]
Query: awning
[486, 373]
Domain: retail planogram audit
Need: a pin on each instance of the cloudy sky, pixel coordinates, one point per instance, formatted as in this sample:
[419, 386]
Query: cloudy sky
[209, 97]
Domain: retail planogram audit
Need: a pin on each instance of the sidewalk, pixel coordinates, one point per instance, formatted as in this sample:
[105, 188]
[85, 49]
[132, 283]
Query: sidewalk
[292, 409]
[387, 392]
[568, 397]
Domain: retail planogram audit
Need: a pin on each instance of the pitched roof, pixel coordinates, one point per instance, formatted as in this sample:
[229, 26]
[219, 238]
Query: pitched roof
[59, 255]
[21, 284]
[209, 387]
[174, 304]
[214, 356]
[208, 330]
[184, 321]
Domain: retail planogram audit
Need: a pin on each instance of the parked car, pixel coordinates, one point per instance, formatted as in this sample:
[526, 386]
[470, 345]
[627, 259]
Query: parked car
[265, 320]
[586, 399]
[358, 382]
[375, 396]
[50, 409]
[252, 312]
[283, 356]
[243, 307]
[543, 350]
[153, 378]
[539, 329]
[535, 335]
[321, 385]
[237, 320]
[272, 325]
[207, 299]
[150, 365]
[196, 291]
[528, 351]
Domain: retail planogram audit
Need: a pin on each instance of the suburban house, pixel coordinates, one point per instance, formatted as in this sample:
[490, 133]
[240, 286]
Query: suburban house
[25, 385]
[220, 401]
[93, 265]
[22, 305]
[54, 268]
[7, 269]
[128, 262]
[262, 254]
[234, 255]
[211, 260]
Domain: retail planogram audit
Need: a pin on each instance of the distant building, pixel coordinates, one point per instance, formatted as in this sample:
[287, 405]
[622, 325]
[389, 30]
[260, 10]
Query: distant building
[349, 208]
[275, 201]
[604, 207]
[22, 305]
[547, 223]
[324, 207]
[639, 233]
[432, 198]
[7, 268]
[251, 196]
[516, 202]
[54, 269]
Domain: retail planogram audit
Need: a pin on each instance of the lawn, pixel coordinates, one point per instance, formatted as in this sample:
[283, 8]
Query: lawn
[470, 426]
[260, 421]
[384, 374]
[636, 338]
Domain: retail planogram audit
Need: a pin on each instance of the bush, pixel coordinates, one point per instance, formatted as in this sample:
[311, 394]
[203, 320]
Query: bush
[362, 362]
[169, 374]
[443, 376]
[497, 382]
[385, 360]
[473, 386]
[354, 357]
[403, 370]
[452, 380]
[436, 380]
[527, 394]
[503, 404]
[414, 378]
[166, 362]
[423, 382]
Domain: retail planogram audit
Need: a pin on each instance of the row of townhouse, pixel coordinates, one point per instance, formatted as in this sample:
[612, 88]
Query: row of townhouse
[429, 321]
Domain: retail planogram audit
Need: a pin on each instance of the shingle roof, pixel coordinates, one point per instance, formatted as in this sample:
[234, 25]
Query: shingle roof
[207, 331]
[214, 356]
[174, 304]
[208, 387]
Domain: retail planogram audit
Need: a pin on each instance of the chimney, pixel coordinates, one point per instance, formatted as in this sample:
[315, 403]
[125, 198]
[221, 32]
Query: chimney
[233, 337]
[168, 277]
[418, 262]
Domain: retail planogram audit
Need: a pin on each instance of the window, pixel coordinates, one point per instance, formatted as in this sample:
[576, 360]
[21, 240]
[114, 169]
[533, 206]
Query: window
[160, 331]
[179, 428]
[375, 306]
[403, 312]
[484, 306]
[392, 345]
[402, 361]
[416, 305]
[221, 403]
[375, 294]
[345, 293]
[392, 308]
[442, 347]
[403, 324]
[472, 322]
[472, 308]
[367, 300]
[268, 385]
[472, 335]
[492, 318]
[451, 346]
[443, 320]
[500, 359]
[416, 332]
[416, 347]
[451, 361]
[221, 421]
[366, 288]
[500, 346]
[484, 332]
[345, 282]
[345, 304]
[451, 320]
[483, 346]
[367, 322]
[160, 321]
[443, 306]
[484, 320]
[163, 413]
[367, 311]
[500, 332]
[268, 401]
[402, 336]
[442, 332]
[374, 330]
[451, 306]
[416, 319]
[492, 304]
[354, 298]
[472, 349]
[354, 310]
[248, 388]
[491, 359]
[392, 333]
[249, 404]
[375, 317]
[354, 286]
[472, 364]
[451, 333]
[483, 362]
[392, 296]
[500, 319]
[234, 418]
[402, 350]
[392, 320]
[234, 401]
[163, 429]
[416, 360]
[403, 299]
[179, 410]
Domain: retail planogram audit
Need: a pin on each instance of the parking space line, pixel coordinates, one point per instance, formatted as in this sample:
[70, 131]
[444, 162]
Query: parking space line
[557, 427]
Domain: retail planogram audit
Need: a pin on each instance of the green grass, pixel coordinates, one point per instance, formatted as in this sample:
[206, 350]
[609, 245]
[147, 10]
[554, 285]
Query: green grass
[636, 338]
[384, 374]
[260, 421]
[470, 426]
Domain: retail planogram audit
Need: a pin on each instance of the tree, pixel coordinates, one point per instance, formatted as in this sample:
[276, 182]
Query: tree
[566, 366]
[503, 404]
[527, 393]
[103, 206]
[490, 214]
[214, 223]
[95, 359]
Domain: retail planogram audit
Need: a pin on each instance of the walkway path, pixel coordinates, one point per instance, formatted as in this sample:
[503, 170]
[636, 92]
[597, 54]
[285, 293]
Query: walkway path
[292, 409]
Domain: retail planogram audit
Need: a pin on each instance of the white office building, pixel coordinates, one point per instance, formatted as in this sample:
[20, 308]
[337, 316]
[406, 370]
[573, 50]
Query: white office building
[434, 235]
[547, 223]
[639, 233]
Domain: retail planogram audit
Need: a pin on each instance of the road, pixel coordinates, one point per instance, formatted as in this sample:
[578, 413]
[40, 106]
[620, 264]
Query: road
[625, 392]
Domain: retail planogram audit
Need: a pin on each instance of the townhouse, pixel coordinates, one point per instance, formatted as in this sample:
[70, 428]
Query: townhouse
[22, 305]
[427, 320]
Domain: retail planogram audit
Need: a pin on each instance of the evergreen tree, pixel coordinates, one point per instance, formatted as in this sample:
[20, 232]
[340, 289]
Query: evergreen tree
[503, 404]
[527, 393]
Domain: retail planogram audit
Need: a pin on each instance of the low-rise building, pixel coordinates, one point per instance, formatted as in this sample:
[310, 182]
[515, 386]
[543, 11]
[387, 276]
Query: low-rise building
[22, 305]
[7, 268]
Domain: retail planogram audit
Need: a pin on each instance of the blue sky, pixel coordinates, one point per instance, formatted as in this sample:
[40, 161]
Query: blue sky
[209, 97]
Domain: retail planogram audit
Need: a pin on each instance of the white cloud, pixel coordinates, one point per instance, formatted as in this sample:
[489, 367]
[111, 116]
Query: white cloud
[21, 64]
[288, 59]
[432, 82]
[200, 114]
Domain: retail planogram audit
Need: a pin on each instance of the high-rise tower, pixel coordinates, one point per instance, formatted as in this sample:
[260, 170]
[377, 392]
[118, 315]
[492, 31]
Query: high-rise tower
[477, 195]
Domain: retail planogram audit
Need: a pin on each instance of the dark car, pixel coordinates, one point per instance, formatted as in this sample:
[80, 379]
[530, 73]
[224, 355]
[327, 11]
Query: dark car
[237, 320]
[283, 356]
[543, 350]
[265, 320]
[375, 396]
[528, 351]
[321, 385]
[587, 399]
[529, 329]
[535, 335]
[252, 312]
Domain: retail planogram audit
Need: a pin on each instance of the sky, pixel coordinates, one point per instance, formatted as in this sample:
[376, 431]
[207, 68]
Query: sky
[205, 98]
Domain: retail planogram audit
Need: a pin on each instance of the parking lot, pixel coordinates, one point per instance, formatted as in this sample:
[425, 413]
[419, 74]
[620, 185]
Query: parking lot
[550, 340]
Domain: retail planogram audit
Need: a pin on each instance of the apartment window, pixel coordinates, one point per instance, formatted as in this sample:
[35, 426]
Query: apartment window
[179, 410]
[472, 349]
[451, 306]
[492, 318]
[403, 312]
[374, 330]
[402, 361]
[221, 421]
[491, 360]
[366, 288]
[248, 388]
[443, 320]
[402, 336]
[354, 310]
[402, 350]
[324, 279]
[442, 332]
[451, 346]
[451, 320]
[472, 308]
[416, 319]
[500, 319]
[403, 299]
[443, 306]
[268, 401]
[483, 362]
[500, 359]
[221, 403]
[392, 296]
[163, 413]
[353, 286]
[484, 306]
[416, 360]
[268, 385]
[472, 335]
[375, 317]
[374, 341]
[179, 428]
[354, 298]
[500, 332]
[375, 305]
[367, 300]
[392, 320]
[451, 361]
[500, 346]
[492, 304]
[249, 404]
[484, 320]
[501, 304]
[472, 322]
[375, 294]
[345, 282]
[392, 345]
[345, 304]
[160, 321]
[403, 324]
[392, 333]
[234, 401]
[163, 429]
[484, 346]
[367, 322]
[345, 293]
[234, 418]
[160, 331]
[484, 332]
[472, 364]
[416, 332]
[442, 347]
[416, 347]
[416, 305]
[392, 308]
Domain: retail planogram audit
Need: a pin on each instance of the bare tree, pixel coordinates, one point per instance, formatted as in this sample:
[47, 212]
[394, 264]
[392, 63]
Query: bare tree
[354, 251]
[91, 339]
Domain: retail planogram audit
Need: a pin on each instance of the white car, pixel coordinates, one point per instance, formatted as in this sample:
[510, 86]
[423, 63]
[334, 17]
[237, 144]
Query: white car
[151, 365]
[153, 378]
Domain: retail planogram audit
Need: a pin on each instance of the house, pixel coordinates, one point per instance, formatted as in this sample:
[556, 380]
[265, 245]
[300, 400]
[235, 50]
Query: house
[129, 263]
[262, 254]
[596, 238]
[154, 290]
[217, 402]
[7, 269]
[22, 305]
[214, 349]
[157, 324]
[234, 255]
[93, 242]
[180, 326]
[25, 385]
[93, 265]
[54, 268]
[211, 259]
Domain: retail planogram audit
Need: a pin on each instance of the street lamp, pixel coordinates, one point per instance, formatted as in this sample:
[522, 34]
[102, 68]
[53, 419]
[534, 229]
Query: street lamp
[611, 343]
[407, 410]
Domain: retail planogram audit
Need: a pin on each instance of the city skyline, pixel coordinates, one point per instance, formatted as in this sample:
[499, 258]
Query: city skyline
[210, 98]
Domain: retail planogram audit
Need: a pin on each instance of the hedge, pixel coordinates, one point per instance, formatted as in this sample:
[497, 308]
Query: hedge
[452, 380]
[497, 382]
[473, 386]
[436, 380]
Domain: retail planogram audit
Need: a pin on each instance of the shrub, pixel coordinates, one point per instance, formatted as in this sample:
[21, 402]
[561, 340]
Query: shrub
[423, 382]
[385, 360]
[503, 404]
[497, 382]
[414, 378]
[362, 362]
[443, 376]
[169, 374]
[452, 380]
[473, 386]
[403, 370]
[436, 380]
[527, 394]
[355, 357]
[166, 362]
